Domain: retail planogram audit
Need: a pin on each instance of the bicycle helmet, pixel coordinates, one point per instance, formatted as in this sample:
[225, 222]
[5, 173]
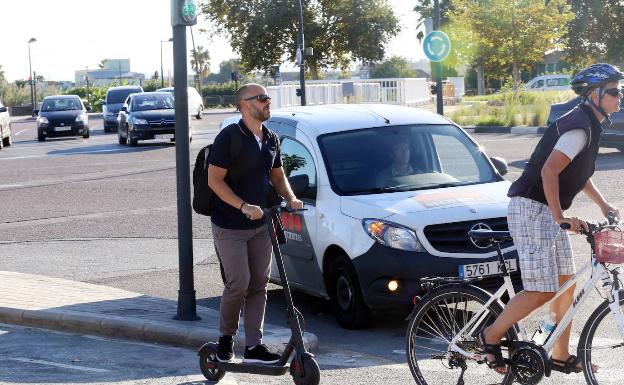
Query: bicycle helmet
[596, 76]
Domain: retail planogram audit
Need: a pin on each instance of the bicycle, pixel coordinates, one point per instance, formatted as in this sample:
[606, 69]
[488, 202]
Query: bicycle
[442, 336]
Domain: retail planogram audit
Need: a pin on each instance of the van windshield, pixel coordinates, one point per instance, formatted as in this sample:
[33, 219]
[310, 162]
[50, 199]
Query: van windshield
[403, 158]
[119, 96]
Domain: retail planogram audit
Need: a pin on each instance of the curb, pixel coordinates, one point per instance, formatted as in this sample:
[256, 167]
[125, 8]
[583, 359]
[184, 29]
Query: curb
[137, 329]
[517, 130]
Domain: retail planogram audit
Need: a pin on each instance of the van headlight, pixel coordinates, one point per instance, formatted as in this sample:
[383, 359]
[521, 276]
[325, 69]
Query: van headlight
[392, 235]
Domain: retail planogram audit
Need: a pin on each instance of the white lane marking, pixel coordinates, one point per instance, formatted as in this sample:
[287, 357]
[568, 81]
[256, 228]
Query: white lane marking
[58, 365]
[10, 185]
[19, 132]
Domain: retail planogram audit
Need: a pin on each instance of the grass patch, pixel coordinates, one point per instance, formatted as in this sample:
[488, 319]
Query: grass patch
[509, 108]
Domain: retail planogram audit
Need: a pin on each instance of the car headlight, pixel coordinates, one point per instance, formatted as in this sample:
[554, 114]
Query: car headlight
[392, 235]
[82, 118]
[139, 121]
[42, 120]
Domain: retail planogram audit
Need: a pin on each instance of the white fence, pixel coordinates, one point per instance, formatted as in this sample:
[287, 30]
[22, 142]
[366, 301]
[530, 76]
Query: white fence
[404, 91]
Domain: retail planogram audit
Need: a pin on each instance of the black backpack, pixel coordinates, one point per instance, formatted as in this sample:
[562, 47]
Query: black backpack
[203, 196]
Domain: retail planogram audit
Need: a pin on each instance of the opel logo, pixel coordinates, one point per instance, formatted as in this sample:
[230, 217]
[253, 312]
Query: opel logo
[62, 124]
[481, 244]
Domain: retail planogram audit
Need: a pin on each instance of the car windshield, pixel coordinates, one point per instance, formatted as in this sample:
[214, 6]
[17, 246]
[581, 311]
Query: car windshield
[170, 90]
[152, 102]
[119, 96]
[61, 104]
[403, 158]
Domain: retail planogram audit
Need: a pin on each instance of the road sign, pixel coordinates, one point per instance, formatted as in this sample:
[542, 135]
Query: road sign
[437, 46]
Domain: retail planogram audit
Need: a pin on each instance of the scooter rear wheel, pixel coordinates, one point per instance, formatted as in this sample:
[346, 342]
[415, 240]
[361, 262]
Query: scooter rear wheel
[310, 375]
[208, 363]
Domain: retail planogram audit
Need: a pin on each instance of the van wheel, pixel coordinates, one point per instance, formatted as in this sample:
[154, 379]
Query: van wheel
[199, 113]
[346, 295]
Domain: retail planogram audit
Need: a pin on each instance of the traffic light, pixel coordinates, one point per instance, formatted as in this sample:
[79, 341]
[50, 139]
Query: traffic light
[183, 12]
[434, 89]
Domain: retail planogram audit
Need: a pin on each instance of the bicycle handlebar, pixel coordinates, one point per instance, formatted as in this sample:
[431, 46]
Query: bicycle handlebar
[609, 222]
[283, 205]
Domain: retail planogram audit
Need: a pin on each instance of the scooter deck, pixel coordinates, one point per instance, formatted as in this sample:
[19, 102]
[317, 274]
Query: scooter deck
[264, 369]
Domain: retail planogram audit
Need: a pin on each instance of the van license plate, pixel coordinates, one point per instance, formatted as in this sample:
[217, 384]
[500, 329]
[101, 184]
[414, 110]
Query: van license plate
[486, 268]
[163, 136]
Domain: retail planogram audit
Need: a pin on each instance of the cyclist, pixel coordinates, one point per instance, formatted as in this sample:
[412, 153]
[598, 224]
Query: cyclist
[560, 167]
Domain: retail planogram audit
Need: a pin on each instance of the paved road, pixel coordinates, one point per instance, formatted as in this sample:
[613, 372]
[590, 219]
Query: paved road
[94, 211]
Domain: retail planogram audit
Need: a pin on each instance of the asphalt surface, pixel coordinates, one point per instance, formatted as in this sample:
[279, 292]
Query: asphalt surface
[94, 211]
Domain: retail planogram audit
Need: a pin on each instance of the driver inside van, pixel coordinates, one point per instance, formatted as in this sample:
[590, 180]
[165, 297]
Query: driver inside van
[401, 166]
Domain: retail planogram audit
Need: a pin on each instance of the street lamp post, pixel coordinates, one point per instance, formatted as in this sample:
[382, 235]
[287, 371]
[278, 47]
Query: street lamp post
[162, 75]
[30, 73]
[301, 51]
[87, 80]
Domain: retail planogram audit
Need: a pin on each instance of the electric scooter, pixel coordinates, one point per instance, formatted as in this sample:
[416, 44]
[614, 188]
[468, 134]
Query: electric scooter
[303, 368]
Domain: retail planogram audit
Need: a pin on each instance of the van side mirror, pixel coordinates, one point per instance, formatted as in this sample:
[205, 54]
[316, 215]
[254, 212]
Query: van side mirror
[3, 109]
[124, 109]
[35, 112]
[500, 164]
[102, 102]
[88, 108]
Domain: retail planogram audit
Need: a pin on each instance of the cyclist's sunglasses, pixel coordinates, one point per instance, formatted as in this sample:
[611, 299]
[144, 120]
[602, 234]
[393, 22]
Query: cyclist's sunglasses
[263, 98]
[613, 91]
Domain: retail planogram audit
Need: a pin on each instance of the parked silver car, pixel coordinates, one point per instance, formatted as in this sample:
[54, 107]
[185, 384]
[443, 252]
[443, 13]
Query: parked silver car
[5, 126]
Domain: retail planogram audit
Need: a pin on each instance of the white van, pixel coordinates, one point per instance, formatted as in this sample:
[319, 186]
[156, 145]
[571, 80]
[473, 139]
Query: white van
[195, 102]
[368, 235]
[559, 82]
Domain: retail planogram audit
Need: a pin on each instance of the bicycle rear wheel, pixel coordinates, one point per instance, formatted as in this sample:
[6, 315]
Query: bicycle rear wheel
[602, 344]
[444, 312]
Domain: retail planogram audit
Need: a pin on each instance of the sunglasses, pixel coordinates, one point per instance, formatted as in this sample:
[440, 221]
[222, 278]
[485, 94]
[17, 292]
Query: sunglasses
[613, 91]
[263, 98]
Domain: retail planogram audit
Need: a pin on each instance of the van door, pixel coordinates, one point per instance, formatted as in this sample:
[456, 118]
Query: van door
[300, 260]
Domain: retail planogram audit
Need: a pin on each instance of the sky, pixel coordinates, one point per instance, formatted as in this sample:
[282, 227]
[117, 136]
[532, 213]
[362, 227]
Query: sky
[75, 34]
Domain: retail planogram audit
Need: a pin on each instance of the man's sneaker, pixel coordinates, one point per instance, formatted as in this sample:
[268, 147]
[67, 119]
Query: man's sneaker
[225, 350]
[260, 354]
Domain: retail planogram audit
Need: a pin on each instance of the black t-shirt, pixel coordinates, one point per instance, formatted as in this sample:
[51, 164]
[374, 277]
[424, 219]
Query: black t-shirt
[248, 173]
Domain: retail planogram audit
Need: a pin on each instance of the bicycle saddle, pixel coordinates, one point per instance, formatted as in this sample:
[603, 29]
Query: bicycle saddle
[498, 236]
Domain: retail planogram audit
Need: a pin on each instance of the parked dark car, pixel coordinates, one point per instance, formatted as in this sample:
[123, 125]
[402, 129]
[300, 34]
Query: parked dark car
[115, 98]
[5, 126]
[612, 136]
[146, 116]
[62, 115]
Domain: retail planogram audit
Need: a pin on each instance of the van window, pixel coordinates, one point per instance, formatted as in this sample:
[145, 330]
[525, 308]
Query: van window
[119, 95]
[402, 158]
[297, 160]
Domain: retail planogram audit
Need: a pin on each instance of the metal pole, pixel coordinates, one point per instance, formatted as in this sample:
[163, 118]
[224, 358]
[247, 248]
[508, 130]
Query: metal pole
[162, 78]
[87, 79]
[30, 73]
[34, 83]
[301, 48]
[438, 65]
[186, 294]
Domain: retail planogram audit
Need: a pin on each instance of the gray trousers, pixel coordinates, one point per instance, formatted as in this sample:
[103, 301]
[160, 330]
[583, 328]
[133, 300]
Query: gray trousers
[246, 259]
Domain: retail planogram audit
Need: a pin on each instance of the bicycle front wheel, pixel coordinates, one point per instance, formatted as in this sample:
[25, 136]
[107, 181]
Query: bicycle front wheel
[441, 316]
[601, 345]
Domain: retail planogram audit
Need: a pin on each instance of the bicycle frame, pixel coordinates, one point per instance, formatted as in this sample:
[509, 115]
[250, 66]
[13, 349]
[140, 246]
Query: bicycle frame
[599, 272]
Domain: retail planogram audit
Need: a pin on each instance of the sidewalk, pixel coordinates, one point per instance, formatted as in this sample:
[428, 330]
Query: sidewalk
[78, 307]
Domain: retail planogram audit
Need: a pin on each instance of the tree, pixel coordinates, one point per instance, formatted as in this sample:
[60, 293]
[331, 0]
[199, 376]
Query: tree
[21, 83]
[425, 9]
[2, 79]
[502, 34]
[595, 33]
[395, 67]
[200, 60]
[264, 32]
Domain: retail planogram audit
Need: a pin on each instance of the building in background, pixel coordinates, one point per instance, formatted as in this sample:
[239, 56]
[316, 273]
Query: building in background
[115, 72]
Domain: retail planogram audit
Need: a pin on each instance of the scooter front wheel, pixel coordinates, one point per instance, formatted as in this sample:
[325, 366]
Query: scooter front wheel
[309, 372]
[208, 363]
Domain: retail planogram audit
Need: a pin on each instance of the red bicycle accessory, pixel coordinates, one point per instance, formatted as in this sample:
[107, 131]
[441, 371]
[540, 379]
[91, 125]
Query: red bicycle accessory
[609, 246]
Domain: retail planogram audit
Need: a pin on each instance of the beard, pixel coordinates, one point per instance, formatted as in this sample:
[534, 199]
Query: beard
[262, 114]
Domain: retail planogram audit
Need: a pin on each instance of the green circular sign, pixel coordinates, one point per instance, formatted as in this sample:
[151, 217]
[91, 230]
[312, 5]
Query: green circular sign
[437, 46]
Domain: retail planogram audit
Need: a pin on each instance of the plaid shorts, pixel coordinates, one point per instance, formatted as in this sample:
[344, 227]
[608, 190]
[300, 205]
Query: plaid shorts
[544, 250]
